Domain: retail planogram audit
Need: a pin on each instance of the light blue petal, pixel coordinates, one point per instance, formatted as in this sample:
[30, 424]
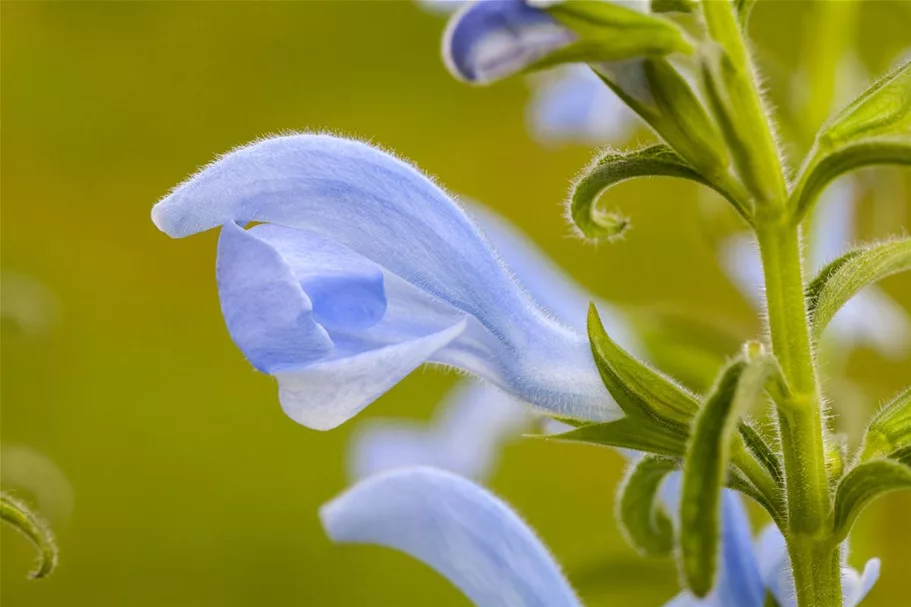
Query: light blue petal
[345, 288]
[867, 579]
[572, 104]
[548, 285]
[465, 437]
[466, 534]
[739, 580]
[742, 264]
[775, 566]
[685, 599]
[268, 315]
[387, 212]
[493, 39]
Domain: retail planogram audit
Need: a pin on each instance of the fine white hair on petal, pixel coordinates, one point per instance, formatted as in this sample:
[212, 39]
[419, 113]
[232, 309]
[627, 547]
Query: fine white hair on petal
[459, 529]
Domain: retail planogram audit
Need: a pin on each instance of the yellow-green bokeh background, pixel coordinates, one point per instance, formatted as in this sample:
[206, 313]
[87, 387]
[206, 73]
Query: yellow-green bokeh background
[191, 487]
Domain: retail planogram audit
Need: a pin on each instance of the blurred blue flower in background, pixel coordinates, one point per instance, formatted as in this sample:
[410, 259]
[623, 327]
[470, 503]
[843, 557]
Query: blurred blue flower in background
[459, 529]
[569, 103]
[363, 271]
[871, 318]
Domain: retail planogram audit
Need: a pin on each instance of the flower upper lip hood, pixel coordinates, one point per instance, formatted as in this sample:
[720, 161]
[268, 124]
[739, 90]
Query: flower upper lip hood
[363, 270]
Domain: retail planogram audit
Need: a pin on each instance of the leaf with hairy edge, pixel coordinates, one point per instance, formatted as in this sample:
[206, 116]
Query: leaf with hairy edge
[29, 524]
[638, 389]
[613, 168]
[874, 129]
[890, 429]
[754, 442]
[862, 485]
[625, 433]
[744, 9]
[843, 278]
[708, 452]
[643, 519]
[611, 32]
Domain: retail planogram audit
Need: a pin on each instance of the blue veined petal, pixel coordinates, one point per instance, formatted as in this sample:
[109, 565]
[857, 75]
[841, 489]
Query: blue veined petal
[268, 315]
[572, 104]
[739, 581]
[465, 437]
[387, 212]
[466, 534]
[492, 39]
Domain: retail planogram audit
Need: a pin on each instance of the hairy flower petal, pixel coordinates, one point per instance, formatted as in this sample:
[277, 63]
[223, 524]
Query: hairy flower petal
[462, 531]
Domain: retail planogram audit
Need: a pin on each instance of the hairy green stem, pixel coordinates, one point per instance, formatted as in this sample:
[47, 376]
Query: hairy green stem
[814, 557]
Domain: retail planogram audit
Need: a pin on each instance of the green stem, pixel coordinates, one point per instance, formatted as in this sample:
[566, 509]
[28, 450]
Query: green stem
[814, 557]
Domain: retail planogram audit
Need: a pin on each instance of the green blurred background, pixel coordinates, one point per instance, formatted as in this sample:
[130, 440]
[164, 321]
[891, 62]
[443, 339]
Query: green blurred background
[190, 486]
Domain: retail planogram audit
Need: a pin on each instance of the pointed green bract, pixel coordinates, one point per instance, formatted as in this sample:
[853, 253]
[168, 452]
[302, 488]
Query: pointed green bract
[739, 386]
[639, 390]
[29, 524]
[645, 522]
[862, 485]
[844, 277]
[754, 442]
[889, 430]
[626, 433]
[874, 129]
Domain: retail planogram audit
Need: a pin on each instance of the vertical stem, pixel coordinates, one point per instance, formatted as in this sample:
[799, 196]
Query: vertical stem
[814, 557]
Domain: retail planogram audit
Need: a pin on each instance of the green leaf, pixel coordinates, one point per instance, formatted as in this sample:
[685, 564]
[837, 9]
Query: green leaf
[642, 518]
[874, 129]
[673, 6]
[639, 390]
[625, 433]
[862, 485]
[740, 385]
[615, 167]
[890, 429]
[612, 32]
[744, 9]
[29, 524]
[843, 278]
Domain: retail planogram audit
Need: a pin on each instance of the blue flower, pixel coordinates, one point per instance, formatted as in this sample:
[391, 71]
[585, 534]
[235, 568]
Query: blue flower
[476, 418]
[493, 39]
[360, 270]
[572, 103]
[748, 569]
[462, 531]
[870, 318]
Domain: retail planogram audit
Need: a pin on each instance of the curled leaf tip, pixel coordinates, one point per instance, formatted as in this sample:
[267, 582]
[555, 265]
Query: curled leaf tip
[29, 524]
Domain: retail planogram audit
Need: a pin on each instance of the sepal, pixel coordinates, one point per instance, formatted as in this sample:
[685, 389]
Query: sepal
[863, 484]
[889, 431]
[705, 468]
[841, 279]
[640, 391]
[615, 167]
[644, 521]
[29, 524]
[874, 129]
[626, 433]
